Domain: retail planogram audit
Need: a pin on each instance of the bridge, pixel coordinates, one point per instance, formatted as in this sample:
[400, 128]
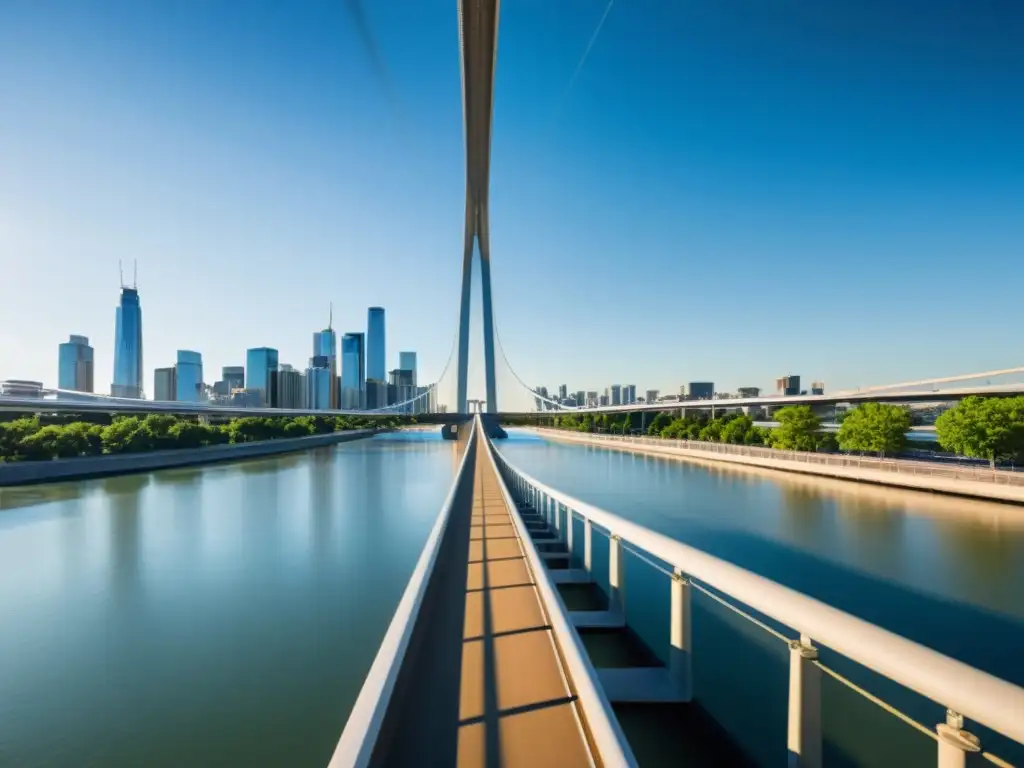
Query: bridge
[491, 656]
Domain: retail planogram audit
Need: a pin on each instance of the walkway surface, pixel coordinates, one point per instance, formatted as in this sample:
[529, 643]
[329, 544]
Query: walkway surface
[514, 705]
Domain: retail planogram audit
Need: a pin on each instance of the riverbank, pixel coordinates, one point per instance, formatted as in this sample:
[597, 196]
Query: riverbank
[918, 476]
[33, 472]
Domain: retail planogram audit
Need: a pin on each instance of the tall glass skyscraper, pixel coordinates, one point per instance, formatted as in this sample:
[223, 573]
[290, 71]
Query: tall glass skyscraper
[75, 361]
[319, 383]
[407, 362]
[261, 374]
[128, 346]
[375, 357]
[189, 376]
[353, 367]
[325, 344]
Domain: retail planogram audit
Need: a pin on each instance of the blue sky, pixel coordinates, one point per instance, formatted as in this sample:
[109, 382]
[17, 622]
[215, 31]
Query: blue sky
[729, 191]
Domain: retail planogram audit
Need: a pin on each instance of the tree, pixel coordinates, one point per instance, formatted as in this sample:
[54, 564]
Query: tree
[875, 427]
[984, 428]
[127, 435]
[662, 420]
[12, 433]
[736, 429]
[798, 429]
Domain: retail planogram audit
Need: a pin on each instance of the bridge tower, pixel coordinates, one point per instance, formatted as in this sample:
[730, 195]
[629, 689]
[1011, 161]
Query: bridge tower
[478, 38]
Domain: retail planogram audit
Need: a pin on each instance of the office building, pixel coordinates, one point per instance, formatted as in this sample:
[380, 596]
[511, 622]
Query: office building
[291, 388]
[748, 392]
[563, 391]
[189, 376]
[591, 399]
[407, 362]
[700, 390]
[652, 396]
[165, 384]
[602, 401]
[376, 394]
[788, 385]
[817, 387]
[21, 388]
[75, 365]
[127, 380]
[353, 371]
[401, 387]
[233, 377]
[246, 398]
[319, 383]
[260, 374]
[628, 394]
[616, 395]
[581, 397]
[375, 345]
[325, 344]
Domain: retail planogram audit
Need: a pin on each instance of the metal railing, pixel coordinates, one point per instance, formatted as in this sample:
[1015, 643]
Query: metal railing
[898, 466]
[608, 740]
[360, 736]
[963, 690]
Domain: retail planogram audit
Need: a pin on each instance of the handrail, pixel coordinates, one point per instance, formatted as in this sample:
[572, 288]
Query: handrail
[978, 695]
[604, 727]
[359, 738]
[899, 466]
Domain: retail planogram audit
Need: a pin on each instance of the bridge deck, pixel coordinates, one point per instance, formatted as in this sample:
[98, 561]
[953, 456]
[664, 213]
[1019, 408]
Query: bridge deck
[514, 703]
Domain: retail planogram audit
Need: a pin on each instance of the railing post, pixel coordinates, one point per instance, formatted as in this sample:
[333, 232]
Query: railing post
[616, 598]
[588, 546]
[556, 511]
[954, 742]
[681, 637]
[568, 532]
[804, 736]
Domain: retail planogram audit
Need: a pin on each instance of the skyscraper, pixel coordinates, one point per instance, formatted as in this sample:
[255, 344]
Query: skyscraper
[407, 362]
[616, 396]
[75, 369]
[165, 384]
[375, 347]
[128, 345]
[353, 376]
[261, 374]
[291, 388]
[319, 383]
[325, 344]
[188, 374]
[233, 377]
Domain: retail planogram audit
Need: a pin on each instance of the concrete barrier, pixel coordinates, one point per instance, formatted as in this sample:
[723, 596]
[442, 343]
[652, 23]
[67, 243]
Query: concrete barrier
[30, 472]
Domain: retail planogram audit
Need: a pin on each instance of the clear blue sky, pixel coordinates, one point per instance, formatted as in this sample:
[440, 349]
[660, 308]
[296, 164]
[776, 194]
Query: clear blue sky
[729, 191]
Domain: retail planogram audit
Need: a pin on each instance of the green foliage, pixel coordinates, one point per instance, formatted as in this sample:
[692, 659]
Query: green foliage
[799, 429]
[662, 420]
[876, 428]
[735, 430]
[984, 428]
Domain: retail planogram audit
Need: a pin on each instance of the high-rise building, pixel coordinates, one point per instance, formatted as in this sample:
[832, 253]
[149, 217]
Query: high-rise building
[616, 396]
[189, 376]
[375, 346]
[700, 390]
[260, 374]
[353, 371]
[563, 391]
[376, 394]
[165, 384]
[591, 399]
[325, 344]
[788, 385]
[75, 365]
[319, 383]
[602, 401]
[628, 394]
[407, 362]
[817, 387]
[652, 396]
[128, 346]
[401, 387]
[233, 377]
[581, 398]
[291, 388]
[749, 392]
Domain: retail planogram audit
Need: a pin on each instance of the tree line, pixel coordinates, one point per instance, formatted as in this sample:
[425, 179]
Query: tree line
[977, 427]
[26, 439]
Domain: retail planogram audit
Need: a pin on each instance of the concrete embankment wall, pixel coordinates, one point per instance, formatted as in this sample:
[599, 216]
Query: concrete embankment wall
[26, 472]
[978, 489]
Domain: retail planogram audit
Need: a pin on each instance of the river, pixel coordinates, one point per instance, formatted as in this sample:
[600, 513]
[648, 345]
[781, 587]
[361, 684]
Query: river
[218, 615]
[946, 572]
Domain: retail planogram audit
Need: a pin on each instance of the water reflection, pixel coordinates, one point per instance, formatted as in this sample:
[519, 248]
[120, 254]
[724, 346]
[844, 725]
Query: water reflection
[124, 496]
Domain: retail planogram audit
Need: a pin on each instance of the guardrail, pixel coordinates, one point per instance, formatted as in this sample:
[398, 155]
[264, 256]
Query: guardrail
[963, 690]
[899, 466]
[602, 724]
[360, 737]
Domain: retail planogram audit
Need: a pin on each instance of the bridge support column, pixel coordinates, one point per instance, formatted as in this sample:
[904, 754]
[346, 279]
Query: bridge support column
[616, 572]
[588, 547]
[568, 532]
[954, 742]
[681, 637]
[804, 733]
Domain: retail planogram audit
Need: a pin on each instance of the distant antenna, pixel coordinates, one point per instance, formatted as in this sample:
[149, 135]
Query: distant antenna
[330, 318]
[135, 274]
[120, 273]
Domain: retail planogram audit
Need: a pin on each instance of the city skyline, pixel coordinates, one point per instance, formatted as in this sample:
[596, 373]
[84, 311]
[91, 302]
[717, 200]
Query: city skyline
[777, 212]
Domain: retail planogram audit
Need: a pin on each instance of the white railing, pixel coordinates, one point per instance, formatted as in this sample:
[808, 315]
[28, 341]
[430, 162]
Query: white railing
[963, 690]
[608, 739]
[359, 739]
[899, 466]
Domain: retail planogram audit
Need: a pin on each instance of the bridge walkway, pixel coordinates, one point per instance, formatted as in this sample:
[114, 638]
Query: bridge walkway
[495, 692]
